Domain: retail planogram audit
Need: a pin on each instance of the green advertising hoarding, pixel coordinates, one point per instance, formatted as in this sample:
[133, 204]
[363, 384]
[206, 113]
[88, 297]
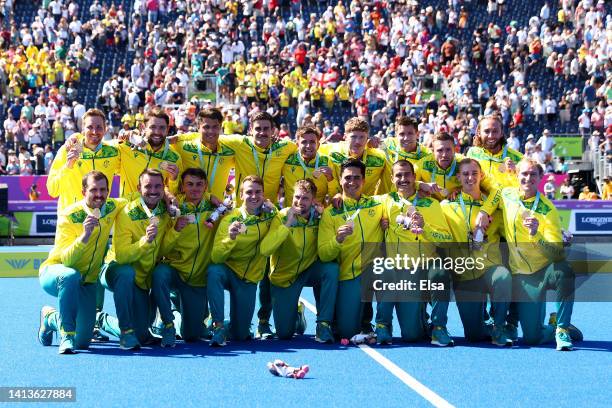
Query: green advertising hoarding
[568, 146]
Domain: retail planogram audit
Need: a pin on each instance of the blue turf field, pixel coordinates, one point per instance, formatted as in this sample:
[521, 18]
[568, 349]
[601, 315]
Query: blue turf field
[197, 375]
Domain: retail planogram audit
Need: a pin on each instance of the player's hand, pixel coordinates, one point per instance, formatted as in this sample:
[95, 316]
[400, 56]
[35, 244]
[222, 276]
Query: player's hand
[416, 220]
[151, 233]
[89, 224]
[374, 142]
[181, 223]
[336, 201]
[290, 217]
[327, 172]
[215, 201]
[427, 189]
[532, 224]
[173, 170]
[510, 165]
[483, 220]
[343, 232]
[453, 194]
[71, 157]
[384, 223]
[234, 229]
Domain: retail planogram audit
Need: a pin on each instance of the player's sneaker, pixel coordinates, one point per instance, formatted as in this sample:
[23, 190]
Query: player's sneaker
[98, 336]
[440, 337]
[383, 334]
[218, 337]
[498, 337]
[264, 330]
[324, 333]
[300, 324]
[129, 341]
[564, 341]
[574, 332]
[67, 344]
[511, 332]
[45, 333]
[168, 335]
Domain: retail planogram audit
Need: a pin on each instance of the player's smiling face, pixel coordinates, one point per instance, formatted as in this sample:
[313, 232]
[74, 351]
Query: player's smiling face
[407, 138]
[403, 177]
[491, 134]
[529, 176]
[209, 131]
[156, 131]
[444, 152]
[194, 188]
[469, 175]
[94, 128]
[357, 141]
[262, 132]
[302, 202]
[151, 189]
[308, 144]
[352, 182]
[252, 195]
[95, 193]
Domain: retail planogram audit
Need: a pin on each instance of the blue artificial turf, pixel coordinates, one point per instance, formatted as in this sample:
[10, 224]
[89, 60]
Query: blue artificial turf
[196, 375]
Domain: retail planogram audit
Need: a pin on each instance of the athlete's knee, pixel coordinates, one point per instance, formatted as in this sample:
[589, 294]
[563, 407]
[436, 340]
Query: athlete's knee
[69, 278]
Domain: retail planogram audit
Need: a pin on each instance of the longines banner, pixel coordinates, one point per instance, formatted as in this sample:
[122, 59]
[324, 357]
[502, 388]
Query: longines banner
[22, 261]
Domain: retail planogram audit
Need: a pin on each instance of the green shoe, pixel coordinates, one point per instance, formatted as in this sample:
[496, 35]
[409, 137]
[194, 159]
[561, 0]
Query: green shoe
[300, 324]
[440, 337]
[129, 341]
[45, 333]
[218, 337]
[564, 341]
[499, 338]
[383, 334]
[574, 332]
[67, 344]
[324, 333]
[511, 332]
[168, 335]
[264, 331]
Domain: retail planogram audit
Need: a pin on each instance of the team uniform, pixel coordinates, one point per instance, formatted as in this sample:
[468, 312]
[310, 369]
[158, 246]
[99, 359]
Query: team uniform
[492, 164]
[487, 277]
[237, 267]
[295, 264]
[401, 241]
[184, 268]
[71, 271]
[217, 165]
[378, 172]
[394, 152]
[366, 215]
[135, 160]
[66, 183]
[538, 264]
[129, 268]
[296, 168]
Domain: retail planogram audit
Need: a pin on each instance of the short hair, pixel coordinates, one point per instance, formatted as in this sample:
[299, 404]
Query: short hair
[493, 116]
[151, 173]
[443, 137]
[353, 163]
[406, 121]
[356, 124]
[252, 179]
[467, 161]
[94, 112]
[263, 116]
[304, 130]
[210, 113]
[531, 162]
[402, 162]
[96, 176]
[306, 185]
[157, 113]
[194, 172]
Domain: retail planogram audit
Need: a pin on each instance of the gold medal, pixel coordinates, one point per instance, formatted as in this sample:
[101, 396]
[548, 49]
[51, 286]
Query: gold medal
[191, 218]
[502, 167]
[242, 229]
[316, 173]
[444, 192]
[164, 165]
[96, 213]
[154, 220]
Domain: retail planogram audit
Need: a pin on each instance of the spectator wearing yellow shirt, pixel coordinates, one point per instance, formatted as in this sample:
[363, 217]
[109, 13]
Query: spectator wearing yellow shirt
[329, 95]
[343, 93]
[587, 194]
[607, 189]
[129, 119]
[315, 95]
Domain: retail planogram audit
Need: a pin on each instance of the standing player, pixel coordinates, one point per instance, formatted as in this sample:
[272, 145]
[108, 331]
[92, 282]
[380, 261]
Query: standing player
[71, 271]
[291, 243]
[537, 259]
[80, 155]
[307, 163]
[342, 234]
[208, 153]
[485, 273]
[238, 264]
[135, 252]
[405, 145]
[186, 249]
[400, 239]
[496, 158]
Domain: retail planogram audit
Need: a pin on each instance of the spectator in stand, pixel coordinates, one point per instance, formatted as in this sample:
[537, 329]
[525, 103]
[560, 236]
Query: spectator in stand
[549, 187]
[607, 189]
[587, 194]
[567, 190]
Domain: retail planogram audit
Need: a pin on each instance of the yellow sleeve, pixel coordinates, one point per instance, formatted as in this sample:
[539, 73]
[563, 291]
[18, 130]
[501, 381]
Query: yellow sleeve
[493, 195]
[170, 239]
[126, 251]
[69, 240]
[223, 245]
[436, 229]
[232, 141]
[328, 247]
[277, 234]
[385, 184]
[549, 237]
[57, 173]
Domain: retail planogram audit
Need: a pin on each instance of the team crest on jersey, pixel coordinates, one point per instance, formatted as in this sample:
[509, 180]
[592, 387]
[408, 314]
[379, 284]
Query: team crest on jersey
[371, 212]
[79, 163]
[106, 164]
[369, 172]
